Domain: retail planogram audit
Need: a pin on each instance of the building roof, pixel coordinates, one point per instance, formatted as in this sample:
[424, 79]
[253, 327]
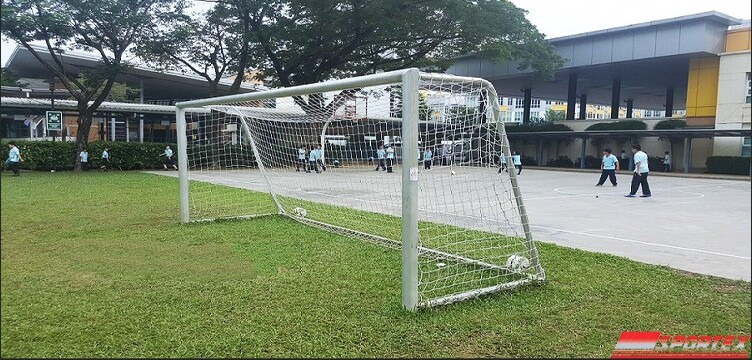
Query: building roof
[71, 105]
[157, 84]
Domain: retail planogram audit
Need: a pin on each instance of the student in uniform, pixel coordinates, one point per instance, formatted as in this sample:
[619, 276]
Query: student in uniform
[168, 158]
[14, 158]
[503, 161]
[84, 156]
[427, 158]
[389, 159]
[313, 161]
[609, 166]
[517, 162]
[105, 159]
[624, 160]
[320, 157]
[301, 159]
[666, 162]
[640, 176]
[380, 155]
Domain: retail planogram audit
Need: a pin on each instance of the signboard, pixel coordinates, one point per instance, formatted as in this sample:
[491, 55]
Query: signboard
[55, 120]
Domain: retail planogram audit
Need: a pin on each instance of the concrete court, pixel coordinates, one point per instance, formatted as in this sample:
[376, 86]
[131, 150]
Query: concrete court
[696, 225]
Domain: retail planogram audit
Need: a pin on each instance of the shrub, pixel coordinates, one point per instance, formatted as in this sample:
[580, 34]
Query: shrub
[60, 155]
[732, 165]
[670, 124]
[619, 125]
[528, 161]
[591, 162]
[563, 161]
[538, 127]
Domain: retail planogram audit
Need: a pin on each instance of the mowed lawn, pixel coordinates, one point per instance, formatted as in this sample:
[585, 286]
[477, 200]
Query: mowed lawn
[96, 264]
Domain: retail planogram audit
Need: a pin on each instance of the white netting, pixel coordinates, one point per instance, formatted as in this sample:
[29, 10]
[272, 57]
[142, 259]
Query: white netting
[320, 161]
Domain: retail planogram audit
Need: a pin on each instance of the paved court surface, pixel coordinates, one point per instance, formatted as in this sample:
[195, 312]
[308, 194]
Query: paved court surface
[697, 225]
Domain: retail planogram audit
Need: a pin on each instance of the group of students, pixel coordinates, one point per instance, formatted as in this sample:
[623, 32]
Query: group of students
[610, 164]
[516, 161]
[315, 158]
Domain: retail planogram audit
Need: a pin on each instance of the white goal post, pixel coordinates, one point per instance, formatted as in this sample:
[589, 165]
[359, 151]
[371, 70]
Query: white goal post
[324, 154]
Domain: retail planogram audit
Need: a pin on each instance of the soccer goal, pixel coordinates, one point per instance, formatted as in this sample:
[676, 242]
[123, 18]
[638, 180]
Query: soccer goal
[402, 159]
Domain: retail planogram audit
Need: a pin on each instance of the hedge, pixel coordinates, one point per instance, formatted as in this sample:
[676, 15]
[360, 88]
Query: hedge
[670, 124]
[563, 161]
[60, 155]
[538, 127]
[619, 125]
[732, 165]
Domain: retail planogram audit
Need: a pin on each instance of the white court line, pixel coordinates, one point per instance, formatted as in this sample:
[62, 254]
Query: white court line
[645, 243]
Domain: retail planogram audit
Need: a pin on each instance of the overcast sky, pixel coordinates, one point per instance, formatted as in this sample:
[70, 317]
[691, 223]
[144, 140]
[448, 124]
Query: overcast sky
[568, 17]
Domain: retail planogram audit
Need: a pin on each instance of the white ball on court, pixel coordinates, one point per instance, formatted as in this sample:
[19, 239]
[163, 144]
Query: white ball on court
[300, 212]
[517, 263]
[53, 170]
[440, 265]
[453, 172]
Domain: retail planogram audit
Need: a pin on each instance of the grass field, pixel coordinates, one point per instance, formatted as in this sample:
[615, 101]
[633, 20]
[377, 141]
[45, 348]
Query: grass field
[96, 265]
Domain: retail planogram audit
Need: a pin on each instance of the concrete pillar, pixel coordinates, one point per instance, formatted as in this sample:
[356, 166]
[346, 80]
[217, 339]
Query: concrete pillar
[571, 96]
[112, 127]
[540, 152]
[629, 108]
[687, 154]
[669, 101]
[127, 130]
[615, 98]
[141, 116]
[527, 104]
[583, 107]
[582, 153]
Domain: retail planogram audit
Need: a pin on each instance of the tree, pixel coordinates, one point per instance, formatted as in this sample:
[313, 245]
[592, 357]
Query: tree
[554, 115]
[298, 42]
[106, 27]
[211, 45]
[8, 78]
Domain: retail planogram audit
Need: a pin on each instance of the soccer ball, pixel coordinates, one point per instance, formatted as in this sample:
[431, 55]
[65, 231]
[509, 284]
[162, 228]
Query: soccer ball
[300, 212]
[517, 263]
[453, 172]
[440, 265]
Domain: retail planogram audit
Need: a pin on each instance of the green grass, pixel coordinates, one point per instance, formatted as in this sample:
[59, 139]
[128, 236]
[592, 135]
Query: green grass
[96, 265]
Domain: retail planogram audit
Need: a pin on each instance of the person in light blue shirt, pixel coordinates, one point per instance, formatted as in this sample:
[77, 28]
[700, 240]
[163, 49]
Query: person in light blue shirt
[320, 157]
[666, 162]
[14, 159]
[503, 161]
[105, 159]
[517, 161]
[168, 158]
[609, 165]
[301, 159]
[313, 158]
[84, 156]
[389, 159]
[427, 158]
[380, 156]
[640, 176]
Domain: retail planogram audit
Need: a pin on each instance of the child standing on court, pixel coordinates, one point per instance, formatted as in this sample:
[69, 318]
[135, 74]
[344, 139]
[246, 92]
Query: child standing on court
[380, 155]
[389, 159]
[640, 176]
[313, 161]
[666, 162]
[517, 161]
[609, 166]
[427, 158]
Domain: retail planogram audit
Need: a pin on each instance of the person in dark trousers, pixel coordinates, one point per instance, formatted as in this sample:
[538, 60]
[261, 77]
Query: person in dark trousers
[105, 159]
[609, 166]
[301, 163]
[427, 159]
[14, 159]
[517, 162]
[320, 157]
[168, 161]
[624, 160]
[640, 176]
[666, 162]
[380, 155]
[313, 161]
[389, 159]
[84, 155]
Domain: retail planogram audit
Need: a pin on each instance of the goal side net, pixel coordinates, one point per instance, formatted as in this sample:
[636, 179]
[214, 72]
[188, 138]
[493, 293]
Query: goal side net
[403, 159]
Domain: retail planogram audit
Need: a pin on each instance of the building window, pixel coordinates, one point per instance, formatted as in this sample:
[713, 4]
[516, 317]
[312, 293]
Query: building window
[747, 146]
[519, 103]
[748, 98]
[518, 116]
[535, 103]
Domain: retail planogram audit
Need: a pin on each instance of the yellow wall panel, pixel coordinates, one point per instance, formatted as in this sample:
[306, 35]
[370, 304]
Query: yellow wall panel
[702, 86]
[739, 40]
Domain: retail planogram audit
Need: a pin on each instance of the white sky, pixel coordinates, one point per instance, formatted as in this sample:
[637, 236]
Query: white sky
[568, 17]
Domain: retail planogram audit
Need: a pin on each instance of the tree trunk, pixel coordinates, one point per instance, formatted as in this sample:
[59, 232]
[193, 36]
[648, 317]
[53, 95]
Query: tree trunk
[82, 134]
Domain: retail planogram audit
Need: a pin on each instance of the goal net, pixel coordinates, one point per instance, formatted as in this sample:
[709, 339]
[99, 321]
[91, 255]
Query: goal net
[402, 159]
